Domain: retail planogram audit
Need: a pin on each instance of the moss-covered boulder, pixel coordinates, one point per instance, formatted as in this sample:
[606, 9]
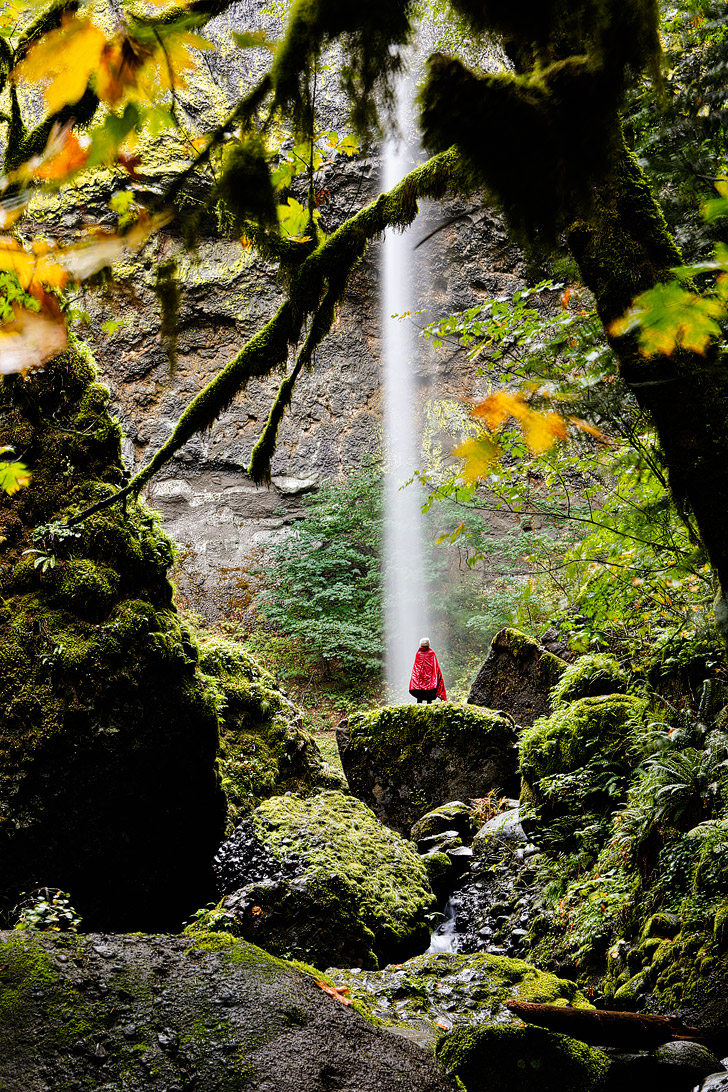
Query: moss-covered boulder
[575, 733]
[404, 760]
[522, 1059]
[264, 750]
[213, 1014]
[443, 990]
[108, 731]
[320, 878]
[517, 677]
[588, 677]
[455, 815]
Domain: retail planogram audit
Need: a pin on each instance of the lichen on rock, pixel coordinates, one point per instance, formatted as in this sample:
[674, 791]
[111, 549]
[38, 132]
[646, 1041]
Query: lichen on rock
[517, 677]
[404, 760]
[321, 879]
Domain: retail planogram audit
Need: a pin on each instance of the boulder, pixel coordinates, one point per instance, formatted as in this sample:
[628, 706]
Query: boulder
[521, 1059]
[440, 991]
[264, 750]
[404, 760]
[588, 677]
[517, 677]
[109, 788]
[321, 879]
[453, 816]
[213, 1014]
[578, 732]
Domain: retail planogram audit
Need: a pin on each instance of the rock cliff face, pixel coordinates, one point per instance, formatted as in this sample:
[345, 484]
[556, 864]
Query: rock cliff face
[209, 505]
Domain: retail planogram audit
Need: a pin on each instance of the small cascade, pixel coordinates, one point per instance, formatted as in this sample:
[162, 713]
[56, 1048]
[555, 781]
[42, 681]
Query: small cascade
[445, 937]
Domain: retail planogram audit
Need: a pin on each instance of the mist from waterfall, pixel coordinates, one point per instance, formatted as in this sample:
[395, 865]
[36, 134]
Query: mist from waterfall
[407, 615]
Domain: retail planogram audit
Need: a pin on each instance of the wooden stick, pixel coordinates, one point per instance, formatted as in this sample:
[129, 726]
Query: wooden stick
[601, 1027]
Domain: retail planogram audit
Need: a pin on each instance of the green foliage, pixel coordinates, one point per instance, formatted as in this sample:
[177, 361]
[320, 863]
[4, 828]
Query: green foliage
[13, 474]
[324, 588]
[48, 910]
[598, 530]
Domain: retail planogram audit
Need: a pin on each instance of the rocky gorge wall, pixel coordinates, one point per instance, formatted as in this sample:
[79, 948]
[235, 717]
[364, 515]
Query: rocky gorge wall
[208, 503]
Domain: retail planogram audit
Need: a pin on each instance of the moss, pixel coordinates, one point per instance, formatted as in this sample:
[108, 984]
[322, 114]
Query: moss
[473, 989]
[589, 676]
[264, 751]
[452, 816]
[575, 733]
[108, 731]
[332, 260]
[357, 890]
[521, 1060]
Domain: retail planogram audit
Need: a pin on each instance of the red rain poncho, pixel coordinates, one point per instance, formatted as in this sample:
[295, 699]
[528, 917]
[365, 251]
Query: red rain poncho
[426, 674]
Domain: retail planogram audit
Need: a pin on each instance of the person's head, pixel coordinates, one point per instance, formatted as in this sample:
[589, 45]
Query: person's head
[425, 642]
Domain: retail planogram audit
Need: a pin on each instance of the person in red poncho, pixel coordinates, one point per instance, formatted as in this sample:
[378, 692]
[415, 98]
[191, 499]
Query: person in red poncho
[426, 682]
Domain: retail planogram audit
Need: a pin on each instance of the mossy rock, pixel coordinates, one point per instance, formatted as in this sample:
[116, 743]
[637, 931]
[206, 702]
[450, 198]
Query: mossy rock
[588, 677]
[517, 677]
[577, 732]
[404, 760]
[211, 1013]
[264, 750]
[521, 1059]
[108, 730]
[320, 878]
[452, 816]
[445, 989]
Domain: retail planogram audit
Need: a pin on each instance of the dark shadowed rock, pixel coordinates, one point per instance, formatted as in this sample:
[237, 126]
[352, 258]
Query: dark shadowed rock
[214, 1014]
[404, 760]
[517, 677]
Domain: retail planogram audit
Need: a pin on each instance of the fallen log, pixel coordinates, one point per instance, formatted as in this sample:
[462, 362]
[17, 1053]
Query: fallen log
[601, 1027]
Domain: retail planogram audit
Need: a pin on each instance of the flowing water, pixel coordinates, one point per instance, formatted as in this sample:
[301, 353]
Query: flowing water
[407, 615]
[445, 937]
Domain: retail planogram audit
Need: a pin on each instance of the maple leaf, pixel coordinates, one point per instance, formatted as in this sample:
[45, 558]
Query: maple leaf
[668, 317]
[541, 430]
[68, 159]
[335, 991]
[119, 65]
[63, 59]
[478, 455]
[499, 407]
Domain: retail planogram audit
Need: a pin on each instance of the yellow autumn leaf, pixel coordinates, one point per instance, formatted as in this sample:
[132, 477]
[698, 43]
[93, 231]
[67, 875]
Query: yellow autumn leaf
[478, 455]
[63, 60]
[498, 407]
[31, 269]
[541, 430]
[31, 339]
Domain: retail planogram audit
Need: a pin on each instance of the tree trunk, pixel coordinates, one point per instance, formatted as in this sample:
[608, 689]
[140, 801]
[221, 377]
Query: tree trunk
[622, 249]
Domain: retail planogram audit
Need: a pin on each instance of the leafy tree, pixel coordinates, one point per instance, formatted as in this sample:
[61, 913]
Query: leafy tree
[324, 588]
[543, 136]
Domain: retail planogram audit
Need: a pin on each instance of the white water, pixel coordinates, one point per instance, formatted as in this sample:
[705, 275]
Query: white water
[445, 938]
[407, 615]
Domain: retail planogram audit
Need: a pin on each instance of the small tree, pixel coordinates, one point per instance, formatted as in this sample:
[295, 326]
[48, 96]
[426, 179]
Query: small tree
[325, 587]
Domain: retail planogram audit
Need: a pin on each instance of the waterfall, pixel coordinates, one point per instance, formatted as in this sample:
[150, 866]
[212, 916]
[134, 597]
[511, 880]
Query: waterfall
[407, 615]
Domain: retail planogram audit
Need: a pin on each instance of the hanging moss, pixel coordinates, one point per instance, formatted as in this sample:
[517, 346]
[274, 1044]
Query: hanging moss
[244, 189]
[371, 31]
[167, 291]
[331, 262]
